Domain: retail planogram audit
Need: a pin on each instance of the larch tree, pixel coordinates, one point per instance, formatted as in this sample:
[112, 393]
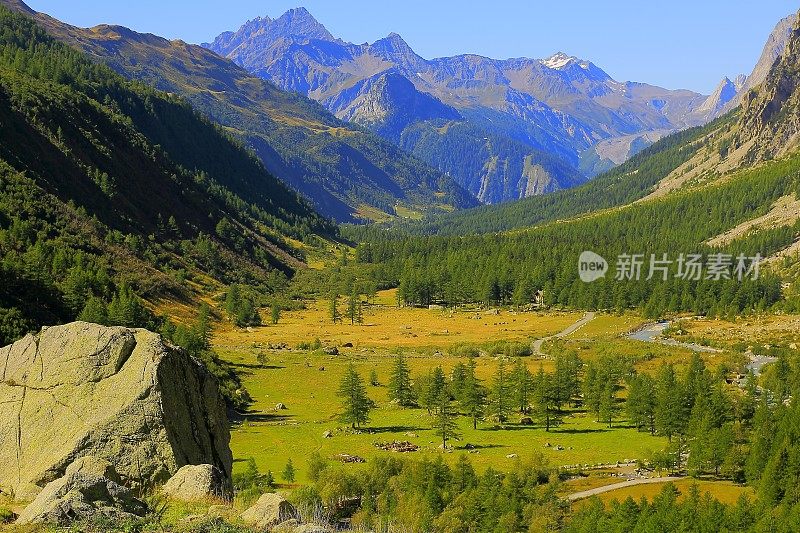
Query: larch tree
[502, 393]
[523, 383]
[473, 397]
[445, 419]
[400, 389]
[355, 403]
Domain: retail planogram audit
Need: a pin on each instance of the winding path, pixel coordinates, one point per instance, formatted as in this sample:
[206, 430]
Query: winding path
[608, 488]
[537, 344]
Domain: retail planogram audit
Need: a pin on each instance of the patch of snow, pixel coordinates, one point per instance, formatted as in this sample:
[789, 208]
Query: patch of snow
[557, 61]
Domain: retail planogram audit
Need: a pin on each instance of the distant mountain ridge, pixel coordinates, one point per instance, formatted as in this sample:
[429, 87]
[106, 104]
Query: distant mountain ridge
[562, 105]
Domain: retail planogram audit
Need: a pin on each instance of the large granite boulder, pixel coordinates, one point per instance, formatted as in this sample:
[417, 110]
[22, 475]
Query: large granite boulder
[79, 496]
[118, 395]
[198, 483]
[270, 510]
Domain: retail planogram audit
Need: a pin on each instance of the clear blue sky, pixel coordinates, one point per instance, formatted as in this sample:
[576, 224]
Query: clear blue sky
[676, 44]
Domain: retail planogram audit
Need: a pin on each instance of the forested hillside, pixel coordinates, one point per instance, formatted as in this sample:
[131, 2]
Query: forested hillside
[624, 184]
[112, 191]
[511, 268]
[346, 172]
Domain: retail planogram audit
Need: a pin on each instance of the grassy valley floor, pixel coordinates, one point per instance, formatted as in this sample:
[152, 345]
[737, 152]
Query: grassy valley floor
[306, 381]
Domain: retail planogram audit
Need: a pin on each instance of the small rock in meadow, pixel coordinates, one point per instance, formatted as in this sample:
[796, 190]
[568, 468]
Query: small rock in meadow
[198, 483]
[270, 510]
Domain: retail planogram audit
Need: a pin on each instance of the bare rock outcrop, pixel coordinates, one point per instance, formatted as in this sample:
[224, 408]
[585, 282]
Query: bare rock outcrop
[270, 510]
[771, 117]
[118, 395]
[79, 496]
[198, 483]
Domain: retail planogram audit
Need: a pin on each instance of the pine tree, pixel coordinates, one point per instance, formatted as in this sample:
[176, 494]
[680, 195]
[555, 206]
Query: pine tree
[334, 308]
[233, 300]
[669, 415]
[502, 399]
[591, 390]
[400, 383]
[126, 309]
[435, 385]
[355, 403]
[276, 314]
[353, 305]
[567, 381]
[446, 426]
[94, 311]
[608, 402]
[202, 327]
[545, 403]
[523, 382]
[473, 398]
[457, 378]
[288, 474]
[641, 402]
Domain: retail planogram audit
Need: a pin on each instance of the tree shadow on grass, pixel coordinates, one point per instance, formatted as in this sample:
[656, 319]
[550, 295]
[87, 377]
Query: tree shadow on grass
[579, 431]
[510, 427]
[392, 429]
[257, 416]
[250, 366]
[467, 447]
[553, 429]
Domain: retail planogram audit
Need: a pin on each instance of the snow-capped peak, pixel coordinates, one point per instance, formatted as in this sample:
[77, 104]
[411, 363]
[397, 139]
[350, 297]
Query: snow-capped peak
[558, 60]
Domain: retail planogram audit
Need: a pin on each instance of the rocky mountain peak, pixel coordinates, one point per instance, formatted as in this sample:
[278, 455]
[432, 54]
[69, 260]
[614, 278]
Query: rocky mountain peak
[771, 117]
[260, 32]
[388, 102]
[725, 92]
[558, 60]
[575, 67]
[299, 22]
[773, 49]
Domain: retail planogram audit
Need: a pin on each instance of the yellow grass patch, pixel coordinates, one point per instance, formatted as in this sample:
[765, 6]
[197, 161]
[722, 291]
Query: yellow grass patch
[389, 326]
[724, 491]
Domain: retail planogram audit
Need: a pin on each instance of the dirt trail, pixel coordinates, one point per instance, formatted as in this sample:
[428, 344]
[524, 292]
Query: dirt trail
[608, 488]
[537, 344]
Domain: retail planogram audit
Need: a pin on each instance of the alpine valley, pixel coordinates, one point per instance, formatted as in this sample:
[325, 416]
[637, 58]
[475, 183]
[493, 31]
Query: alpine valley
[282, 283]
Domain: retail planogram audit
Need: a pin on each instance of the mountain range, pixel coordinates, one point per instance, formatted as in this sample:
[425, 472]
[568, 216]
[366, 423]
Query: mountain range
[348, 173]
[504, 129]
[519, 126]
[371, 132]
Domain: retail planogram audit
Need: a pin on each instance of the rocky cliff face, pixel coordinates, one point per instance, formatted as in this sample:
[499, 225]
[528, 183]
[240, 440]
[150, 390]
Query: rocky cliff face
[730, 94]
[114, 394]
[773, 49]
[388, 103]
[770, 122]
